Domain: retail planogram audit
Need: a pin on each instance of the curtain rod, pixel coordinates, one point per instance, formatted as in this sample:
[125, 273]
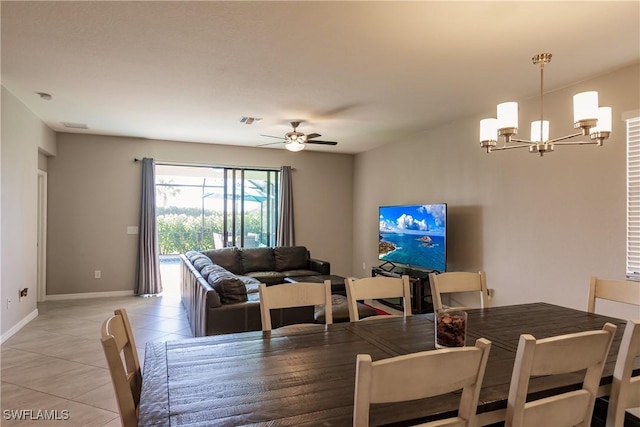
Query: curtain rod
[203, 165]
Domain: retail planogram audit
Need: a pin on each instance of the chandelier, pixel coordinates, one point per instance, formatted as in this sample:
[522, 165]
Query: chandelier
[592, 120]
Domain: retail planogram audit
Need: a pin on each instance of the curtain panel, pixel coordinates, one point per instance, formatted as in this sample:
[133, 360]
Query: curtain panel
[286, 232]
[148, 281]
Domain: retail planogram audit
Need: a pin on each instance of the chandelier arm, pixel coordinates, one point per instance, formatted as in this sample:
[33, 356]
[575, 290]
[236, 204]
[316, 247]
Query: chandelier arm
[562, 138]
[576, 143]
[524, 141]
[508, 147]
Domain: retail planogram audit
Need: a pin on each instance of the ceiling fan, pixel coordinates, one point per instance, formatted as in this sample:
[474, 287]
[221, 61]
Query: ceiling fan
[295, 141]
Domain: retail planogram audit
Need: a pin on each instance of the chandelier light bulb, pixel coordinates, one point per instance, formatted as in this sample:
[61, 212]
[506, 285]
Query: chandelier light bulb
[535, 131]
[508, 115]
[585, 106]
[604, 120]
[488, 130]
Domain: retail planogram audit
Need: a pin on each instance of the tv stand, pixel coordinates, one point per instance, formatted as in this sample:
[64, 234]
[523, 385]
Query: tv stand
[421, 301]
[389, 269]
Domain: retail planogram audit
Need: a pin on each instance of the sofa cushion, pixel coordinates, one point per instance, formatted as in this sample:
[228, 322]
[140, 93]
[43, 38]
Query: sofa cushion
[290, 258]
[268, 277]
[340, 310]
[228, 258]
[228, 286]
[257, 259]
[190, 254]
[249, 281]
[200, 263]
[296, 273]
[193, 255]
[206, 270]
[212, 268]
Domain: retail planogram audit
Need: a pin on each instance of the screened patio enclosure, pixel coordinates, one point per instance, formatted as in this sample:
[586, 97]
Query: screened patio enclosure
[207, 207]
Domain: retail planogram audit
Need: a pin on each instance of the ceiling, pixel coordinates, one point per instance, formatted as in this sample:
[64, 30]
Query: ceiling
[360, 73]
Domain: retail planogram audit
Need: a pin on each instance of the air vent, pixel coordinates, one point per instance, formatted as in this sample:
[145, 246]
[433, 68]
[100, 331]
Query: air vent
[75, 125]
[249, 120]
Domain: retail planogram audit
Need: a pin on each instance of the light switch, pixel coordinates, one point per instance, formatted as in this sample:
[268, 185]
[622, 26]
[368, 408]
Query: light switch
[132, 229]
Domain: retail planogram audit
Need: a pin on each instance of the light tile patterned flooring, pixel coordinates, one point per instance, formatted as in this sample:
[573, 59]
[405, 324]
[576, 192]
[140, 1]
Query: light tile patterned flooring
[56, 362]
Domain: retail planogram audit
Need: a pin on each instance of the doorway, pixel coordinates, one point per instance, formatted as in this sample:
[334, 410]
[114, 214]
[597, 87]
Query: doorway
[210, 207]
[41, 276]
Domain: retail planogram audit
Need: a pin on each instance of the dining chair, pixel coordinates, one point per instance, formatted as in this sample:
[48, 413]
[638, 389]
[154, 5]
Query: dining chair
[289, 295]
[122, 357]
[377, 287]
[625, 389]
[624, 291]
[553, 356]
[422, 375]
[458, 281]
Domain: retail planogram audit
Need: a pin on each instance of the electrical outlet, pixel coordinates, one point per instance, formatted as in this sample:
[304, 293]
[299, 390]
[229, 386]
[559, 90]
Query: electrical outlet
[364, 265]
[97, 274]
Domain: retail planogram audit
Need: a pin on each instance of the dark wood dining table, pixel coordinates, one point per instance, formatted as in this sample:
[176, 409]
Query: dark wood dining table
[305, 375]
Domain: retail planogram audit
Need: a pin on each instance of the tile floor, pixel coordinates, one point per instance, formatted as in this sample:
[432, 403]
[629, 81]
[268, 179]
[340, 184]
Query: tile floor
[56, 362]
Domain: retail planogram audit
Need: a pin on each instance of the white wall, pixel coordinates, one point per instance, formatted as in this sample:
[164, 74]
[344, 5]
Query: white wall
[539, 227]
[94, 194]
[23, 134]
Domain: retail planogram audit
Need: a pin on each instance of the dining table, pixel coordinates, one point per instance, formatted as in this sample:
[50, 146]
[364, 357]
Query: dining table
[305, 374]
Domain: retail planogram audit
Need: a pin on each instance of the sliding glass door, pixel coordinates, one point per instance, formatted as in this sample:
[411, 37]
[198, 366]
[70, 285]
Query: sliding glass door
[200, 208]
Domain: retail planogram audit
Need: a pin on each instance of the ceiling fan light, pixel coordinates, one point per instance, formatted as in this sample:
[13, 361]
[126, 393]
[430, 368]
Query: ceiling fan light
[294, 146]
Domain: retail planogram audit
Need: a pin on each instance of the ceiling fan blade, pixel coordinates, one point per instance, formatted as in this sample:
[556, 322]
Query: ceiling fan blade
[322, 142]
[313, 135]
[271, 136]
[270, 143]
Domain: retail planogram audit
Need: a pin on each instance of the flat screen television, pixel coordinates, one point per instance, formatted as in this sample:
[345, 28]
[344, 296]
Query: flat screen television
[414, 236]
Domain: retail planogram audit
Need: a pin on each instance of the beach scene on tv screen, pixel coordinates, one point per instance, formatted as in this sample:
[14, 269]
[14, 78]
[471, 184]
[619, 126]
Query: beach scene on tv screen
[413, 235]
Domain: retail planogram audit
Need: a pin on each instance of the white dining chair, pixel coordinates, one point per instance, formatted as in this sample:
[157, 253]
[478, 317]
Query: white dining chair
[625, 388]
[552, 356]
[422, 375]
[122, 358]
[623, 291]
[288, 295]
[455, 282]
[370, 288]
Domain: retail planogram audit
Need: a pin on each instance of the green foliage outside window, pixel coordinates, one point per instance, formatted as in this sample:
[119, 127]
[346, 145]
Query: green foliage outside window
[185, 229]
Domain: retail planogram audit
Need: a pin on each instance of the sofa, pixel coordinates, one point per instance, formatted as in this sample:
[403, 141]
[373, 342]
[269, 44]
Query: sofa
[219, 287]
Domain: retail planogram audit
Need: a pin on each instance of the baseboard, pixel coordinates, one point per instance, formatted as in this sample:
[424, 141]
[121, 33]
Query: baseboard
[85, 295]
[21, 324]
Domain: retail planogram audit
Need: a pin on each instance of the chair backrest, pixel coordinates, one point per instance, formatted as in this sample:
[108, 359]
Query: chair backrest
[552, 356]
[445, 283]
[374, 288]
[625, 291]
[299, 294]
[421, 375]
[625, 389]
[122, 357]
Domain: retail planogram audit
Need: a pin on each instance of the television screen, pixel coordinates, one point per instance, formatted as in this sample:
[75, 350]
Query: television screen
[414, 235]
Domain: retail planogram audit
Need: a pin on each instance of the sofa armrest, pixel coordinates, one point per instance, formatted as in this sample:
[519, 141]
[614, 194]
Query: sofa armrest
[322, 267]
